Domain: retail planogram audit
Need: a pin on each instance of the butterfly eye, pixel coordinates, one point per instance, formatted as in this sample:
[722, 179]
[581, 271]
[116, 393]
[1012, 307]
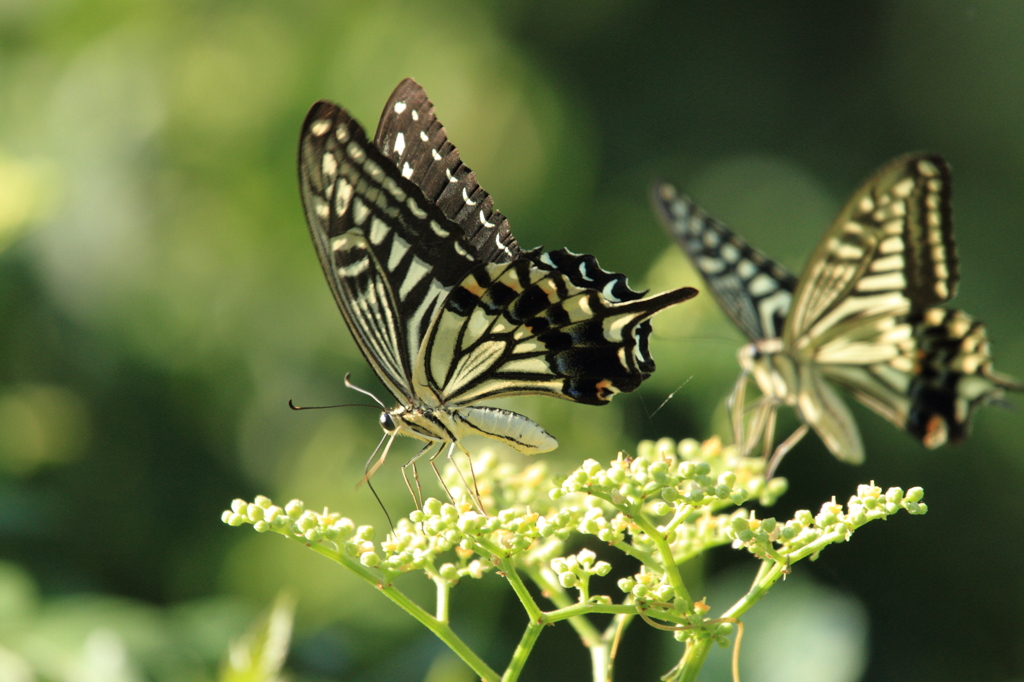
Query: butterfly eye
[387, 423]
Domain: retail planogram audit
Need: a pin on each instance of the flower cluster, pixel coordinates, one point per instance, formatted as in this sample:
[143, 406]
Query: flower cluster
[662, 507]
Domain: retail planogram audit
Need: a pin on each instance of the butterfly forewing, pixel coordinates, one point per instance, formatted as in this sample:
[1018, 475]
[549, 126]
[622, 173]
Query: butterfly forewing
[389, 255]
[890, 251]
[753, 290]
[410, 135]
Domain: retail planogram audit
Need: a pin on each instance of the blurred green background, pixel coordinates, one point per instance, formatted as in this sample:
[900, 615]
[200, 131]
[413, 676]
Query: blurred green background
[160, 302]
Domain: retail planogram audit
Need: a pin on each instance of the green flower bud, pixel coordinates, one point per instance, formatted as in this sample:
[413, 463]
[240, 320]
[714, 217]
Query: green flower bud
[659, 508]
[768, 525]
[645, 449]
[364, 533]
[745, 535]
[915, 494]
[664, 593]
[664, 447]
[235, 519]
[688, 448]
[369, 559]
[738, 497]
[238, 505]
[254, 512]
[894, 495]
[803, 517]
[728, 479]
[312, 535]
[640, 591]
[602, 568]
[626, 584]
[262, 501]
[695, 496]
[740, 524]
[261, 526]
[295, 508]
[670, 495]
[448, 572]
[567, 580]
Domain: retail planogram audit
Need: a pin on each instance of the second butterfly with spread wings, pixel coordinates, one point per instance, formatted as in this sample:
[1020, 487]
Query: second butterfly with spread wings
[861, 315]
[444, 305]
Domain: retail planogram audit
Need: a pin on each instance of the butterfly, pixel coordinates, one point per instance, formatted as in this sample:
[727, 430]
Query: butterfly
[862, 315]
[445, 306]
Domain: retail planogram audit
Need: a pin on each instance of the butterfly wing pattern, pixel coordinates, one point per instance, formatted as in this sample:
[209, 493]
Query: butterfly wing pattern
[441, 300]
[862, 315]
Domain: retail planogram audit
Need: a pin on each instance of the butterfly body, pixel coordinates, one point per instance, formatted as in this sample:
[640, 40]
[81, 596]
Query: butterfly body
[862, 315]
[446, 307]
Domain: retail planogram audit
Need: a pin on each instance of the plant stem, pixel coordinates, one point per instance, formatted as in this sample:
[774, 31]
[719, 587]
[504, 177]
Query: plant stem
[668, 561]
[440, 629]
[522, 652]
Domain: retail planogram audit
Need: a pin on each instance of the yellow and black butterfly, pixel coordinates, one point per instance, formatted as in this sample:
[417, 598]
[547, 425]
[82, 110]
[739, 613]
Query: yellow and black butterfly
[441, 300]
[862, 315]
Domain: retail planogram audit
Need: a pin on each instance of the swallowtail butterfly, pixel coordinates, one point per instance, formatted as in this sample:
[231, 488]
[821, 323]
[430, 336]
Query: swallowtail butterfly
[861, 315]
[441, 300]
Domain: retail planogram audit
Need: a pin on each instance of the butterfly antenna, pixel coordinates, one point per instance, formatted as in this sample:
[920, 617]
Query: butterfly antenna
[349, 384]
[297, 408]
[371, 466]
[670, 396]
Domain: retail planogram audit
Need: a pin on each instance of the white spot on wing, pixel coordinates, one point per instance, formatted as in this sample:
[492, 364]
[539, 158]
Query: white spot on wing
[399, 143]
[400, 107]
[762, 285]
[320, 127]
[417, 271]
[399, 247]
[497, 240]
[342, 195]
[359, 211]
[406, 170]
[378, 230]
[329, 165]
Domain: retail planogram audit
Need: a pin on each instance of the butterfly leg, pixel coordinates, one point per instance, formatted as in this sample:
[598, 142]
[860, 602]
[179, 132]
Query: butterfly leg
[768, 417]
[784, 447]
[736, 404]
[417, 496]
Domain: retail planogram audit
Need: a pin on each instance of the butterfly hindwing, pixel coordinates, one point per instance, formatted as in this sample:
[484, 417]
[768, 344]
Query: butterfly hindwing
[889, 252]
[549, 323]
